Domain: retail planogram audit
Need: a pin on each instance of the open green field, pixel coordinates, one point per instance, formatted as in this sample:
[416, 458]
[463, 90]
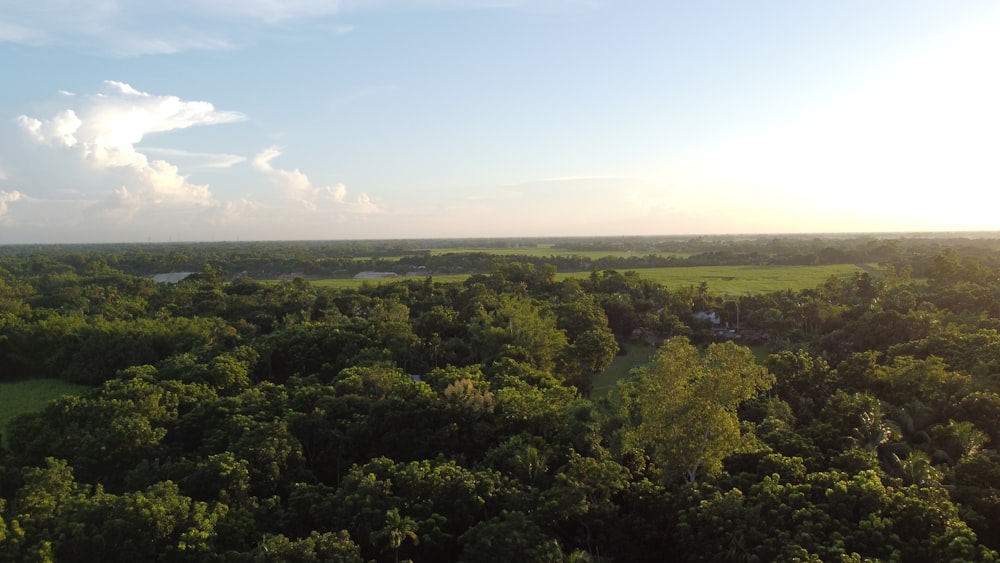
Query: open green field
[727, 280]
[32, 395]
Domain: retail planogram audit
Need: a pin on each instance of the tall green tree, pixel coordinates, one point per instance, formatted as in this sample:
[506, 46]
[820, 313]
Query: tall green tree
[686, 404]
[519, 328]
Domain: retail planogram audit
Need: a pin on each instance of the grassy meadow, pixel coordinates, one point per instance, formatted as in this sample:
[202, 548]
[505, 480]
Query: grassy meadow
[32, 395]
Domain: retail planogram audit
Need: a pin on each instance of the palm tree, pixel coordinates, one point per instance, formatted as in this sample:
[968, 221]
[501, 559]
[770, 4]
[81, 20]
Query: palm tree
[916, 469]
[397, 529]
[956, 440]
[533, 463]
[878, 434]
[873, 431]
[575, 556]
[914, 420]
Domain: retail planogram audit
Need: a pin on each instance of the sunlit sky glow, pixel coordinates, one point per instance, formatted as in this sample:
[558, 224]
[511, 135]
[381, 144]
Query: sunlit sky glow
[125, 120]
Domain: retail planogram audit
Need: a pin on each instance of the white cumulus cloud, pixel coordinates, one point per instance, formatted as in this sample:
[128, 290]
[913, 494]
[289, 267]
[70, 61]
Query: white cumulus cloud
[60, 130]
[105, 128]
[297, 187]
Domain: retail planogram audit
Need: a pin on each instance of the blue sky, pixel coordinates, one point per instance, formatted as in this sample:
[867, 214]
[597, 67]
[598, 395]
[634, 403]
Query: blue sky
[123, 120]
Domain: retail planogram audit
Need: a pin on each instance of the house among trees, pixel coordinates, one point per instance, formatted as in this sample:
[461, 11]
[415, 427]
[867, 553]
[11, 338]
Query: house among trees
[172, 277]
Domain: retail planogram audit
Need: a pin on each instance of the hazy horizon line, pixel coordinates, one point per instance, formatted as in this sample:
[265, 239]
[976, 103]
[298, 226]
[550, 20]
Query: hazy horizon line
[979, 234]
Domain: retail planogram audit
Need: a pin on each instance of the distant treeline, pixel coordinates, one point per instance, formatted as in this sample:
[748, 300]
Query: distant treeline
[327, 259]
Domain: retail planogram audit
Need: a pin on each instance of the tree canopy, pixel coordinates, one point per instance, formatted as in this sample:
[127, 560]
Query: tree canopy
[235, 416]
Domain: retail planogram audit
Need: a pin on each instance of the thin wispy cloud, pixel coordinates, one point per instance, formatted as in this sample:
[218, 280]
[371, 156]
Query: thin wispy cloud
[361, 94]
[228, 212]
[119, 206]
[605, 201]
[136, 27]
[269, 11]
[597, 177]
[13, 33]
[198, 159]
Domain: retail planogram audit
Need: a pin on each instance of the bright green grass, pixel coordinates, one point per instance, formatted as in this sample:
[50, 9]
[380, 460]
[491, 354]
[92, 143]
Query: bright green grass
[32, 395]
[636, 354]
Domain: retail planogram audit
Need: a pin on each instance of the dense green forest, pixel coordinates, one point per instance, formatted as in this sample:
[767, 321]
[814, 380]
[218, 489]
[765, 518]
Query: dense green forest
[232, 418]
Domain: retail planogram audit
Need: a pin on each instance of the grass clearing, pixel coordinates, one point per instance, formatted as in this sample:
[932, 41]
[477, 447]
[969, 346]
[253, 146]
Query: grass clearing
[31, 395]
[636, 354]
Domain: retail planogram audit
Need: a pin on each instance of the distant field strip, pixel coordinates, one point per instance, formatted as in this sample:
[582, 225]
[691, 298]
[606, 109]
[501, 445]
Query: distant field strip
[543, 252]
[732, 280]
[350, 283]
[742, 280]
